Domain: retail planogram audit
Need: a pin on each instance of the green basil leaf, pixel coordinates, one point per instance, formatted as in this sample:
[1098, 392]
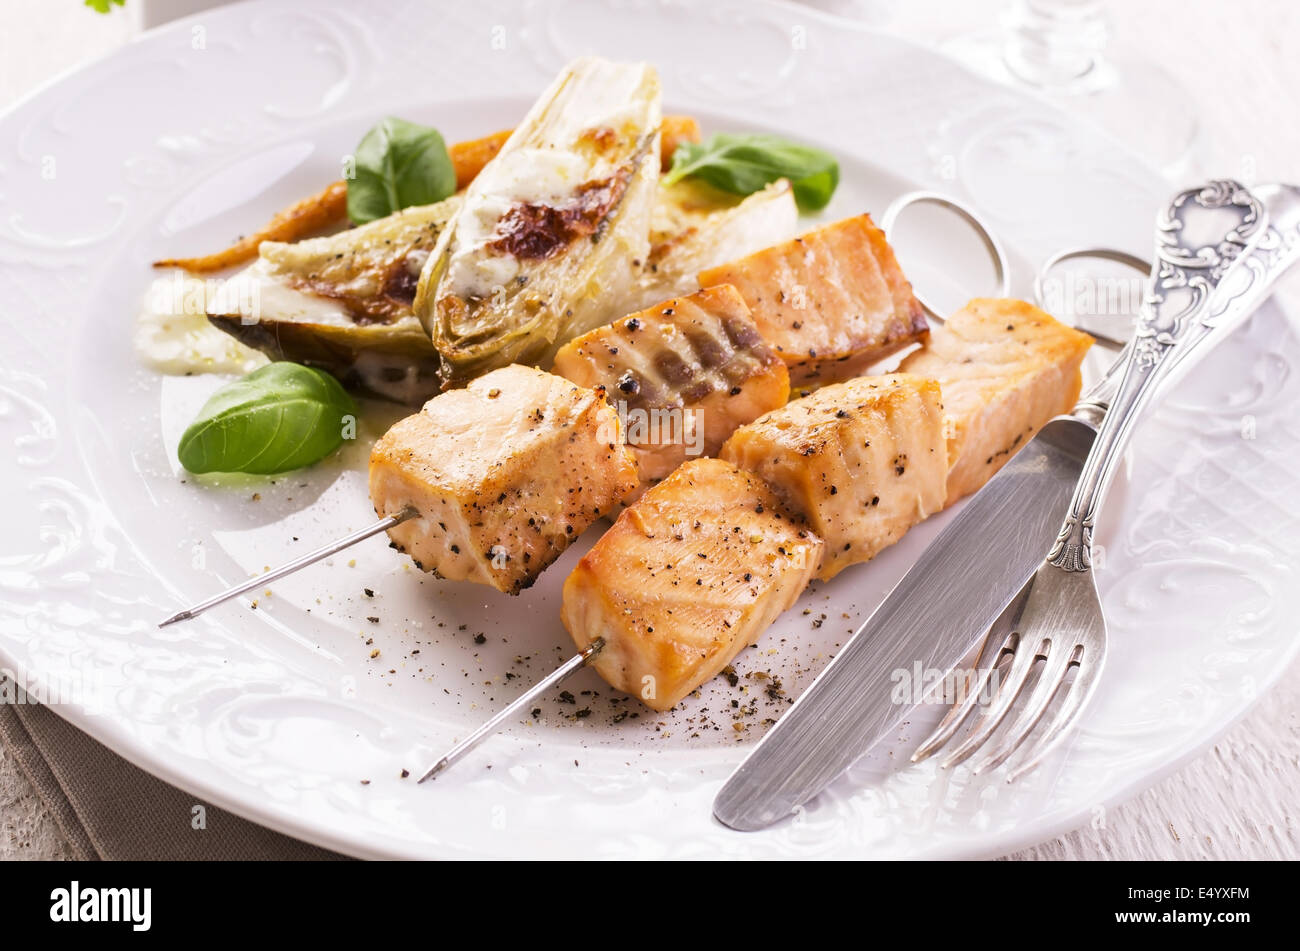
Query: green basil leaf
[399, 164]
[279, 417]
[744, 164]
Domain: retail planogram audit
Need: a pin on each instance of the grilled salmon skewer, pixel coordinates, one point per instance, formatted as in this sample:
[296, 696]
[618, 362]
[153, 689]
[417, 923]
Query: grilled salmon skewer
[691, 574]
[672, 593]
[502, 523]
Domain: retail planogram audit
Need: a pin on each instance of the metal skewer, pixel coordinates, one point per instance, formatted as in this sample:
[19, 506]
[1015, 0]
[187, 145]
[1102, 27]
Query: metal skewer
[310, 558]
[487, 729]
[1001, 263]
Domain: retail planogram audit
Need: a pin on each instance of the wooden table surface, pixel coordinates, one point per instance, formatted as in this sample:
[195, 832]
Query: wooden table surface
[1240, 65]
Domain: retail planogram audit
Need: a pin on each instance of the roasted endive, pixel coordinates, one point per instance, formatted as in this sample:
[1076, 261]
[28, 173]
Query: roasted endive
[695, 227]
[553, 230]
[343, 303]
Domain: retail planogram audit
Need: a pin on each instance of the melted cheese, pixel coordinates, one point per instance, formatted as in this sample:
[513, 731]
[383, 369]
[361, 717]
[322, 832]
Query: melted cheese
[173, 335]
[542, 164]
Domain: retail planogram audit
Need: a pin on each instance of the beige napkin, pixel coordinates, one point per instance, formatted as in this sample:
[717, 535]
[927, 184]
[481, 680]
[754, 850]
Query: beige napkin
[110, 809]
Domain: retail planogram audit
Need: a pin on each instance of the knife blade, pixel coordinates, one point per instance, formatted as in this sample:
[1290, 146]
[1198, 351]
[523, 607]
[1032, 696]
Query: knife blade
[943, 607]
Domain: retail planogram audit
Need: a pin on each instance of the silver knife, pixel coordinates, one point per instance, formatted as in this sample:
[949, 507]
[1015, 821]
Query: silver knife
[965, 578]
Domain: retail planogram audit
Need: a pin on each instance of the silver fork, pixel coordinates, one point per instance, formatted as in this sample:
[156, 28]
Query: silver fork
[1196, 288]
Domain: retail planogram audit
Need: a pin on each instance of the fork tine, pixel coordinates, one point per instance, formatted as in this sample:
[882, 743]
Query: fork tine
[1080, 692]
[1058, 665]
[1008, 690]
[1002, 633]
[960, 709]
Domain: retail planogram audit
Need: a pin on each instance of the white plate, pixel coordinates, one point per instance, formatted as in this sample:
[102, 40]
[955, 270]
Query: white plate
[198, 131]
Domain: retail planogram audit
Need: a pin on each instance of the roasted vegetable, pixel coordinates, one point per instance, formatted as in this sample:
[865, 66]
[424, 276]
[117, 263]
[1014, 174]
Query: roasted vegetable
[470, 157]
[695, 227]
[314, 213]
[343, 303]
[675, 131]
[329, 206]
[550, 235]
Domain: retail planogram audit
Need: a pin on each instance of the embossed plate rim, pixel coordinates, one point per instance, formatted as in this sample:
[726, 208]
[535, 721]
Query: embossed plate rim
[842, 39]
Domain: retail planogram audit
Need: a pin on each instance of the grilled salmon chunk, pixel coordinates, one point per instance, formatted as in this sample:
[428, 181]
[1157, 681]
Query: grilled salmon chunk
[861, 462]
[504, 473]
[1006, 368]
[683, 374]
[688, 576]
[832, 301]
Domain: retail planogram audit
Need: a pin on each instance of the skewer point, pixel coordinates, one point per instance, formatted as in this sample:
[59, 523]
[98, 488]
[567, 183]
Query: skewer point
[310, 558]
[519, 704]
[433, 770]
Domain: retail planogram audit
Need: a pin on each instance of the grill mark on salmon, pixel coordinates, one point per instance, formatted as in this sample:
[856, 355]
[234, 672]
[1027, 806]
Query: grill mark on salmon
[687, 577]
[696, 363]
[832, 301]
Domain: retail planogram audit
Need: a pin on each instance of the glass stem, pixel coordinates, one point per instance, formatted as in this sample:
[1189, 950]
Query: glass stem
[1056, 44]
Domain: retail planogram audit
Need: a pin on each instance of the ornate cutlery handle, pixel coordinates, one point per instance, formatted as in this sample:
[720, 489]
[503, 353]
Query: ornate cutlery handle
[1172, 322]
[1234, 300]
